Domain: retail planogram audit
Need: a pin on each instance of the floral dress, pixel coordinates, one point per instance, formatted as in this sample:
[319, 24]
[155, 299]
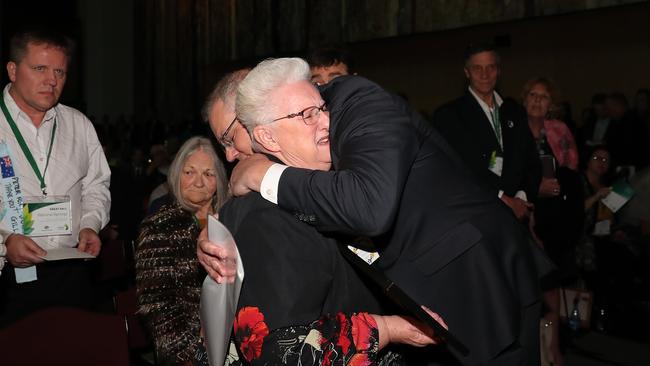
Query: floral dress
[339, 339]
[301, 303]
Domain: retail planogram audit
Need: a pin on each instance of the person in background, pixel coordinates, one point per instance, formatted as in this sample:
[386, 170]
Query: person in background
[490, 134]
[558, 212]
[56, 157]
[168, 274]
[598, 221]
[328, 63]
[627, 137]
[219, 112]
[642, 110]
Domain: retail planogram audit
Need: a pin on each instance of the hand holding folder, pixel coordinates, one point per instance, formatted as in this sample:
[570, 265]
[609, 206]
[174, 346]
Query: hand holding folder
[398, 296]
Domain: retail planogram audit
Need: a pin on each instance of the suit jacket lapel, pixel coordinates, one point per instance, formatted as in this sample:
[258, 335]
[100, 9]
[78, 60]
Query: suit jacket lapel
[478, 124]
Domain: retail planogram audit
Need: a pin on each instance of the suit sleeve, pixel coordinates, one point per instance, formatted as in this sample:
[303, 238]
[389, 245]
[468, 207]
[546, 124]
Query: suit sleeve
[448, 121]
[376, 144]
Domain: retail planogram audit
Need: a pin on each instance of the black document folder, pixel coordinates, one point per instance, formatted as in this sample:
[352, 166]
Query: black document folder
[402, 299]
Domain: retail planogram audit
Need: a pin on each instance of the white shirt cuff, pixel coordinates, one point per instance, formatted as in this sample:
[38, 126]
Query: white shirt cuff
[521, 195]
[270, 182]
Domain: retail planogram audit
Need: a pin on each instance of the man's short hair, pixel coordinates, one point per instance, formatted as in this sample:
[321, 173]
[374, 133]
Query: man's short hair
[20, 40]
[476, 48]
[329, 56]
[225, 90]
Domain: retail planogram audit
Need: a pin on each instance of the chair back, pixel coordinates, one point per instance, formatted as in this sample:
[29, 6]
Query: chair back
[65, 336]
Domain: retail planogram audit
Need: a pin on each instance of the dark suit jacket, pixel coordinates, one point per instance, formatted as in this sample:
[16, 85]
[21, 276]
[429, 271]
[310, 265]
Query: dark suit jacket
[293, 273]
[465, 126]
[448, 242]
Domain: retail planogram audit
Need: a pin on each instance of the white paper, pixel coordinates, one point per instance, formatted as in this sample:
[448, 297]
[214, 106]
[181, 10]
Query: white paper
[602, 228]
[219, 301]
[66, 253]
[620, 194]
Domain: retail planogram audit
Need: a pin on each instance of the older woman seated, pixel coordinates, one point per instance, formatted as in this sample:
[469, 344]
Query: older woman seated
[301, 302]
[168, 274]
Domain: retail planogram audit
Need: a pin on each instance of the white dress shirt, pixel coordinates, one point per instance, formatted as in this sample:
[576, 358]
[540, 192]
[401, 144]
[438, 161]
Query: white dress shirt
[77, 168]
[489, 113]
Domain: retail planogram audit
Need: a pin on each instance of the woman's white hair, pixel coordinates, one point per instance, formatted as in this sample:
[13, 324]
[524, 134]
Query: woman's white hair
[253, 94]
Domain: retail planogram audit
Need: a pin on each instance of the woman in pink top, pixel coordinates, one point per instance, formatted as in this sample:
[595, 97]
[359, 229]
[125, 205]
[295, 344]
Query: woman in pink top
[558, 211]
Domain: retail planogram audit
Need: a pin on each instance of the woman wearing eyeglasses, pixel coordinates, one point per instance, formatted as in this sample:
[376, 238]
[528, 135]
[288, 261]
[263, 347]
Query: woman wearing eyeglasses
[558, 209]
[301, 302]
[598, 218]
[598, 223]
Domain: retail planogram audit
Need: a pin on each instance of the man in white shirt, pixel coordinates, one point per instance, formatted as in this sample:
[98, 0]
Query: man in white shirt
[54, 158]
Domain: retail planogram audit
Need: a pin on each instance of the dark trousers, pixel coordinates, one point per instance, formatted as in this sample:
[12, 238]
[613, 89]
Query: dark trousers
[59, 283]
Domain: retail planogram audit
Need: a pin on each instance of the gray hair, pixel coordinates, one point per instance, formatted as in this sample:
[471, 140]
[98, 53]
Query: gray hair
[191, 146]
[225, 90]
[253, 94]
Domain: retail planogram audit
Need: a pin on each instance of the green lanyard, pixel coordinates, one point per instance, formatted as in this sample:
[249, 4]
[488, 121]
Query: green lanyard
[497, 124]
[23, 145]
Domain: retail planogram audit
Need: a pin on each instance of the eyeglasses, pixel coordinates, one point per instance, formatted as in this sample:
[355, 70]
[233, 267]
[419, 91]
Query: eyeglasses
[533, 95]
[600, 158]
[309, 115]
[224, 140]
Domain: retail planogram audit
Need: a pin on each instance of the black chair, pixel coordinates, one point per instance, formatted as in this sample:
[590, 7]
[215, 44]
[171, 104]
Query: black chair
[66, 336]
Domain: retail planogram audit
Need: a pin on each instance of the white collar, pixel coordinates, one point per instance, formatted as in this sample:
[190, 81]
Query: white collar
[484, 106]
[15, 111]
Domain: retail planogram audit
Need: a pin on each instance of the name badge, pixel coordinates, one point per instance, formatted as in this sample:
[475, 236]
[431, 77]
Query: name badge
[368, 257]
[496, 164]
[46, 216]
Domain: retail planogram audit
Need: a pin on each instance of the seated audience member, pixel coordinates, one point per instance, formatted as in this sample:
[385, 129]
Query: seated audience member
[168, 274]
[445, 240]
[328, 63]
[558, 212]
[598, 219]
[594, 126]
[627, 136]
[642, 104]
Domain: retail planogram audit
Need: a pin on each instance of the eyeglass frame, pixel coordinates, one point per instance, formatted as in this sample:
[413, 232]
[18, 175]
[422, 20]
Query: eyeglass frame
[601, 159]
[223, 140]
[301, 114]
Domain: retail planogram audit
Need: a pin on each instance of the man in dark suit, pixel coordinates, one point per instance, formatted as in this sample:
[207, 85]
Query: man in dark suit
[447, 241]
[297, 282]
[491, 135]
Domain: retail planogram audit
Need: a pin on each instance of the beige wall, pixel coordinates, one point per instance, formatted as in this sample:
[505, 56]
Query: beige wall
[593, 51]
